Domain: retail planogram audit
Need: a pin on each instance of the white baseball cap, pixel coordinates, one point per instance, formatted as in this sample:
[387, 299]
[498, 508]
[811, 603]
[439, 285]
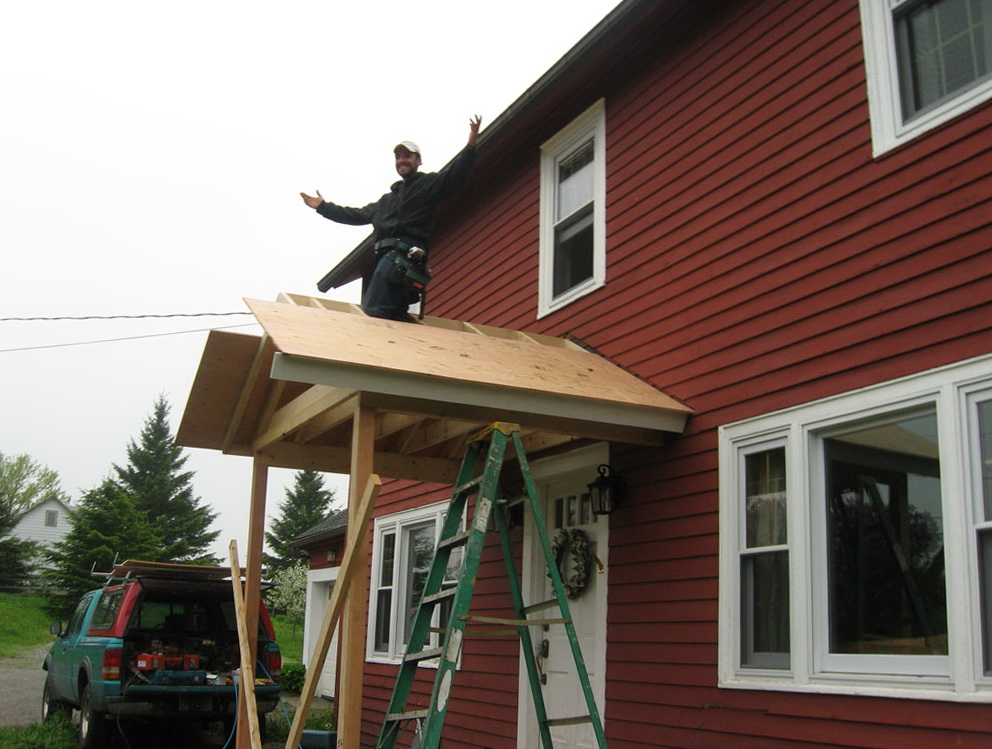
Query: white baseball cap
[409, 145]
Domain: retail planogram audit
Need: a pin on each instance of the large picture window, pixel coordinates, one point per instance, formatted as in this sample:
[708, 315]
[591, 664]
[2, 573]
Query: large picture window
[856, 541]
[573, 194]
[927, 61]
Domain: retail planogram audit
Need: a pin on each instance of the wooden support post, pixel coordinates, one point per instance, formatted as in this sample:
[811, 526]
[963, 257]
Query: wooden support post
[246, 674]
[253, 584]
[352, 663]
[357, 536]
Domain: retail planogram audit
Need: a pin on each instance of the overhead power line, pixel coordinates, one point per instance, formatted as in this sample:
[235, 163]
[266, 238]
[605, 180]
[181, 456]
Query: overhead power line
[116, 340]
[122, 317]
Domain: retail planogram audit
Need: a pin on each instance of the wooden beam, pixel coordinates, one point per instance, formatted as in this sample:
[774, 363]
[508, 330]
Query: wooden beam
[333, 417]
[435, 432]
[352, 663]
[253, 582]
[246, 672]
[337, 460]
[313, 403]
[259, 366]
[357, 546]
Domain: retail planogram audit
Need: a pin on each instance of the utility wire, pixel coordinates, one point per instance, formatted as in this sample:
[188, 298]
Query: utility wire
[122, 317]
[129, 338]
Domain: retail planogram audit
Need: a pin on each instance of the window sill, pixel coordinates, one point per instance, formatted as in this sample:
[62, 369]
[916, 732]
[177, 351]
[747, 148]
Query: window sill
[572, 295]
[918, 688]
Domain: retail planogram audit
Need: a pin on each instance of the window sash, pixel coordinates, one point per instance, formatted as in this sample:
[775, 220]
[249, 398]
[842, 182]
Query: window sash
[943, 47]
[403, 551]
[883, 519]
[572, 243]
[981, 437]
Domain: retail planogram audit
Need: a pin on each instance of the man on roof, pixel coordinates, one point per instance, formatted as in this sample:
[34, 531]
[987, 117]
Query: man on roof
[401, 222]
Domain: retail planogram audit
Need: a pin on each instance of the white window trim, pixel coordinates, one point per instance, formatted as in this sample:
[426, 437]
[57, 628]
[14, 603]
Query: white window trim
[955, 677]
[888, 131]
[591, 124]
[383, 525]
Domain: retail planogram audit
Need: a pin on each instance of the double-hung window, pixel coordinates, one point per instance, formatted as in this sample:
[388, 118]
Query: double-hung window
[927, 61]
[856, 541]
[573, 212]
[402, 552]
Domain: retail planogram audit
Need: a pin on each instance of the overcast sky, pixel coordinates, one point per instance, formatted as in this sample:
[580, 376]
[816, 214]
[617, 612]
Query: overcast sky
[151, 159]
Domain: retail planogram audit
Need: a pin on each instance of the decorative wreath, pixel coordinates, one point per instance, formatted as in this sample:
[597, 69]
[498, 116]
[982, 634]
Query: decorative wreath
[570, 548]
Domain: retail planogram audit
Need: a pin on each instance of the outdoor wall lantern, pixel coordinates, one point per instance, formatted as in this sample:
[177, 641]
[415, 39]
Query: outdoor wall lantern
[607, 491]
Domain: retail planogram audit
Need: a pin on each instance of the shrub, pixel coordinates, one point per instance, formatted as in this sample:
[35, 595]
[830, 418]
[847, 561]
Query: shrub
[294, 675]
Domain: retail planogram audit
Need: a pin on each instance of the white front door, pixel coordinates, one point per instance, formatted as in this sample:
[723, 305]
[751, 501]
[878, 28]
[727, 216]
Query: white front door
[565, 503]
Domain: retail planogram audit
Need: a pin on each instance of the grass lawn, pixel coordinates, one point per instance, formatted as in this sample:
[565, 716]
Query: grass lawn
[23, 624]
[290, 641]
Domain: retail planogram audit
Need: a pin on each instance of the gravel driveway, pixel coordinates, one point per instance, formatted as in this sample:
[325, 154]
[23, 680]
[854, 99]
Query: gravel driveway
[21, 682]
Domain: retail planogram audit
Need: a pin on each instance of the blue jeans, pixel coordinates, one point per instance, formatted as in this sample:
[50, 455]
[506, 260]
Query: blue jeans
[387, 296]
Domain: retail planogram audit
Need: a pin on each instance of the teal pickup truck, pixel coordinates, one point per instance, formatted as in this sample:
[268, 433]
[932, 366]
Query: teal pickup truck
[157, 641]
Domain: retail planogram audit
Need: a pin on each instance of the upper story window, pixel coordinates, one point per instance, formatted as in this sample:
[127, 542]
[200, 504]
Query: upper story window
[573, 212]
[927, 61]
[856, 541]
[51, 518]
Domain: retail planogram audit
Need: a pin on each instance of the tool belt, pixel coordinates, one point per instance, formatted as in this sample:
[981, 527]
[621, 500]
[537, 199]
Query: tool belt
[385, 245]
[409, 269]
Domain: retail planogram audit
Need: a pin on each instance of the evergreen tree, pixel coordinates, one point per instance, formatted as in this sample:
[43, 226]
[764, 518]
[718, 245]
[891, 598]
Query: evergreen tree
[106, 526]
[161, 491]
[305, 505]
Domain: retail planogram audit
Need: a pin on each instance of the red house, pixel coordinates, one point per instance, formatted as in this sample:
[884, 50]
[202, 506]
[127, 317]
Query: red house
[779, 213]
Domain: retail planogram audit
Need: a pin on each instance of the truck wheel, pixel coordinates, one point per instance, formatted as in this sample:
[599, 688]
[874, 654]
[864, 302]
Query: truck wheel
[50, 706]
[92, 726]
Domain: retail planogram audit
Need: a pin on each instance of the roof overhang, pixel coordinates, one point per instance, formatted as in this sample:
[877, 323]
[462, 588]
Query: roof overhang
[290, 395]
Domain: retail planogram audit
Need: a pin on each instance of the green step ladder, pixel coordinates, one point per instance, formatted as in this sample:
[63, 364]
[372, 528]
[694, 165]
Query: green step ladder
[489, 448]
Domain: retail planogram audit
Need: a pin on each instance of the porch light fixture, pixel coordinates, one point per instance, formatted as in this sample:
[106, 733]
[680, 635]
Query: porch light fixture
[607, 491]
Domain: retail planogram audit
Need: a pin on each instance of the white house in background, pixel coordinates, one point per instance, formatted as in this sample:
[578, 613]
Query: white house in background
[325, 545]
[46, 523]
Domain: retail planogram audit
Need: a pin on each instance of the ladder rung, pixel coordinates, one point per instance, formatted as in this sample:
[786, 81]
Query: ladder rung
[540, 606]
[413, 714]
[459, 539]
[423, 655]
[552, 722]
[467, 486]
[439, 596]
[514, 501]
[512, 622]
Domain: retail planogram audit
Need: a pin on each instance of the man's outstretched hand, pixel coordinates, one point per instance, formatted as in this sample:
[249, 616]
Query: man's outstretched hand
[473, 129]
[311, 201]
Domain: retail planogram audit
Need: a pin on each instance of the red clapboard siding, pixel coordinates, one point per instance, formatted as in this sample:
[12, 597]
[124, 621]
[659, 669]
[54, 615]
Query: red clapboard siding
[758, 258]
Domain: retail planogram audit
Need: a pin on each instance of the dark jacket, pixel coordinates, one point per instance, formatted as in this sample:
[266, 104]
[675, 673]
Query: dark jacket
[407, 211]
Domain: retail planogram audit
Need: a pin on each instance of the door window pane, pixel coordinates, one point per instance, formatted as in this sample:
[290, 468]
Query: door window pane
[885, 539]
